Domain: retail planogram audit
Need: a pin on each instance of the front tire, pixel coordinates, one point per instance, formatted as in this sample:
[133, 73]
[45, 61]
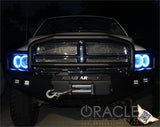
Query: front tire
[23, 111]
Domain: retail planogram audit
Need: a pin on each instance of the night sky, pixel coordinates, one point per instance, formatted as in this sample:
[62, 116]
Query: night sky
[20, 19]
[30, 8]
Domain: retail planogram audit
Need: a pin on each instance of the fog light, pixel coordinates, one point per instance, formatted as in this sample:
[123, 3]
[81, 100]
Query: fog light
[16, 81]
[26, 83]
[135, 82]
[145, 80]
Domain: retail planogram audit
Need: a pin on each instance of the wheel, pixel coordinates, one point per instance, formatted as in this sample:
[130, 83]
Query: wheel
[156, 98]
[134, 121]
[131, 120]
[22, 108]
[2, 86]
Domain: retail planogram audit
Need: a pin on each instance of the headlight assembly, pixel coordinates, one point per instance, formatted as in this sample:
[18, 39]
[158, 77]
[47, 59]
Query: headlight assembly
[18, 61]
[143, 61]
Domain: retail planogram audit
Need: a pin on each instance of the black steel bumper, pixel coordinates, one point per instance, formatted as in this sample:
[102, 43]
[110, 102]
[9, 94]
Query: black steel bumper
[113, 86]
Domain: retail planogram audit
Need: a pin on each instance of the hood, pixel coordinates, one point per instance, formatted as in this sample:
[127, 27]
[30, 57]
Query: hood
[75, 35]
[139, 48]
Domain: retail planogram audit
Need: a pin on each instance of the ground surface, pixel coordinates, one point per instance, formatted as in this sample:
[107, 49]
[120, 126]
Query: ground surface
[63, 117]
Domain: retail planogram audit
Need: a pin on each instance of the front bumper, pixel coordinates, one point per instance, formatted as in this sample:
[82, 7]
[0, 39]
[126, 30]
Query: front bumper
[113, 86]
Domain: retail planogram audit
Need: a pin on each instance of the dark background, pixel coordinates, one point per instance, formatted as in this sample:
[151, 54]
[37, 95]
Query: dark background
[19, 20]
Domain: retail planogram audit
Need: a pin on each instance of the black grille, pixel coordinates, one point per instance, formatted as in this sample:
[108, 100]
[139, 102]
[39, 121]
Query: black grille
[106, 48]
[77, 53]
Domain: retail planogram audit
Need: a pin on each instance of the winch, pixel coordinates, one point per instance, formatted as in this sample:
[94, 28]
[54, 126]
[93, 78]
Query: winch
[75, 89]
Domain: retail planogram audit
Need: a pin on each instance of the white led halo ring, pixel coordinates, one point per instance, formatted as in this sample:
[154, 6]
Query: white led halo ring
[148, 60]
[138, 66]
[15, 61]
[24, 56]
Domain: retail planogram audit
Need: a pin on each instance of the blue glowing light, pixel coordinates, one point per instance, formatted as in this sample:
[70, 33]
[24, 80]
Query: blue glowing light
[16, 61]
[146, 60]
[138, 61]
[24, 61]
[20, 61]
[142, 61]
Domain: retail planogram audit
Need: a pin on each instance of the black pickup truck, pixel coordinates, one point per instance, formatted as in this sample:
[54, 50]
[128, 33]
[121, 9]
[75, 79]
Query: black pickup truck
[75, 58]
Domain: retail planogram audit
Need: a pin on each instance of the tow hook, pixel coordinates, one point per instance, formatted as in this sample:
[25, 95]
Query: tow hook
[51, 93]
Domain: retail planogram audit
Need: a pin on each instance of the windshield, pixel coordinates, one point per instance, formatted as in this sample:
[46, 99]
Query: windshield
[80, 24]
